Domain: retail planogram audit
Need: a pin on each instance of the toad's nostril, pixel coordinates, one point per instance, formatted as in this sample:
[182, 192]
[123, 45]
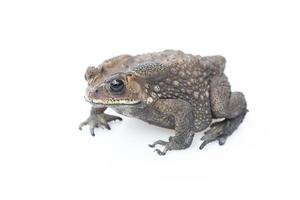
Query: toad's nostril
[96, 91]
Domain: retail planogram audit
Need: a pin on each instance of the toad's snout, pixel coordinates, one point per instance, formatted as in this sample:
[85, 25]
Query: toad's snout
[91, 94]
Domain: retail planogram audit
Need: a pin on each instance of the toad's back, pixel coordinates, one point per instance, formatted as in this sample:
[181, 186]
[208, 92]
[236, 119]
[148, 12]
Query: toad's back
[175, 75]
[182, 60]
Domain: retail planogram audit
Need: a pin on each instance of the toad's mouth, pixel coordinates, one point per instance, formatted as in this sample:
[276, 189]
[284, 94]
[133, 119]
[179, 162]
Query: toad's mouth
[116, 101]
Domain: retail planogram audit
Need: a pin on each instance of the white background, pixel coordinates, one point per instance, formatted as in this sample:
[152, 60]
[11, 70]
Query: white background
[45, 47]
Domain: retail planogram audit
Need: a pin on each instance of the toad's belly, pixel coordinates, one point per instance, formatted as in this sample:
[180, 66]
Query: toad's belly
[149, 115]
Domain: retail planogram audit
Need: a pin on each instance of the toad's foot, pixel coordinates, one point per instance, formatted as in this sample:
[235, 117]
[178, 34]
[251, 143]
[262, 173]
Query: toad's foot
[174, 143]
[98, 120]
[221, 130]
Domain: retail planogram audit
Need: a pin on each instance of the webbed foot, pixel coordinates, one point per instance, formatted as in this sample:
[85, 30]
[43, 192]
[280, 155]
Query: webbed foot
[174, 143]
[98, 120]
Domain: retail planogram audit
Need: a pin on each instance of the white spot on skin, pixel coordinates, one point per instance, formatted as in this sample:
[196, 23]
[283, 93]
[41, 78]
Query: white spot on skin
[156, 88]
[196, 95]
[153, 94]
[149, 100]
[175, 83]
[207, 94]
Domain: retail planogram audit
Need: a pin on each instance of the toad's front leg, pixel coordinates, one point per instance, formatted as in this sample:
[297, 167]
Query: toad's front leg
[182, 113]
[97, 119]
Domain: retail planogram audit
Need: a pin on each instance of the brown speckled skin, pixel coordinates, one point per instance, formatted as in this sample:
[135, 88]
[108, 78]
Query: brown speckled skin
[169, 89]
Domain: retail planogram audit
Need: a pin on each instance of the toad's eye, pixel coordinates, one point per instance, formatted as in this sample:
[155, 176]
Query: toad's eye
[116, 85]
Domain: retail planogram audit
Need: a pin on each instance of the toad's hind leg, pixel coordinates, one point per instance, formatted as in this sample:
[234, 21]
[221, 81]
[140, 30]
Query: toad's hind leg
[224, 104]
